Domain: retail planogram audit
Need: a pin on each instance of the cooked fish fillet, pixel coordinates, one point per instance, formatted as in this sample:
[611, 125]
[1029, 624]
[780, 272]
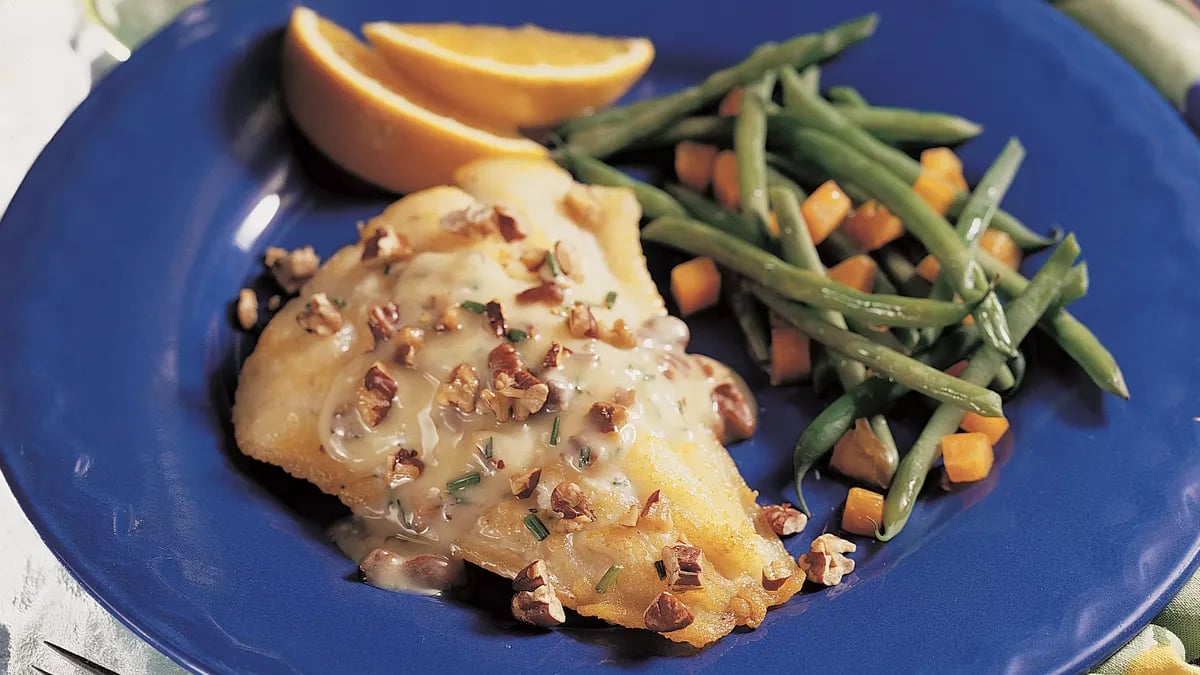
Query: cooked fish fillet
[628, 415]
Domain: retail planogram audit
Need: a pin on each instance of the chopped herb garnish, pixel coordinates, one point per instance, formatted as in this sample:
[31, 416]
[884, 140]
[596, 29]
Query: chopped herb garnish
[340, 303]
[552, 263]
[554, 431]
[609, 578]
[487, 448]
[538, 528]
[464, 482]
[661, 569]
[610, 299]
[585, 455]
[516, 335]
[473, 307]
[621, 481]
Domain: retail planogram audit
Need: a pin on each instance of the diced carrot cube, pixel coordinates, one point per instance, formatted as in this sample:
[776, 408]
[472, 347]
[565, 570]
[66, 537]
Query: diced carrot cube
[824, 210]
[731, 105]
[863, 513]
[944, 163]
[696, 284]
[857, 272]
[992, 427]
[935, 191]
[694, 164]
[872, 226]
[791, 360]
[929, 268]
[968, 457]
[956, 369]
[1002, 247]
[725, 180]
[773, 225]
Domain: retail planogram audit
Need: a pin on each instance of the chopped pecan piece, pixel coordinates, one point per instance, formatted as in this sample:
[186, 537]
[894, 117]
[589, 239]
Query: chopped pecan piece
[274, 302]
[580, 321]
[408, 340]
[625, 397]
[476, 220]
[406, 467]
[630, 517]
[568, 500]
[505, 357]
[568, 261]
[532, 577]
[381, 568]
[783, 519]
[434, 572]
[581, 205]
[445, 317]
[831, 543]
[247, 308]
[533, 258]
[667, 613]
[384, 247]
[495, 317]
[558, 395]
[506, 222]
[526, 393]
[461, 389]
[382, 321]
[619, 336]
[555, 356]
[540, 607]
[523, 484]
[497, 404]
[825, 563]
[320, 316]
[737, 418]
[375, 397]
[656, 513]
[569, 525]
[547, 292]
[776, 573]
[292, 269]
[683, 565]
[607, 417]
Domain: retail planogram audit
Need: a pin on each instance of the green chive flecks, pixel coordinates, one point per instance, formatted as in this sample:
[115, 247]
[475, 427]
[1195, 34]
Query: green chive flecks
[464, 482]
[473, 307]
[488, 447]
[516, 335]
[340, 303]
[585, 455]
[661, 569]
[552, 263]
[610, 299]
[609, 578]
[538, 528]
[554, 431]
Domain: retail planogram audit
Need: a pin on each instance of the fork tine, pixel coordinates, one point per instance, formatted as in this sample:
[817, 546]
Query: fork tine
[40, 671]
[83, 662]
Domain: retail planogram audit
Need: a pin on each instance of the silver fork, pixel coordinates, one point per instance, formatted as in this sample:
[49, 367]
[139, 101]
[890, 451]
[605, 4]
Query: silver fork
[82, 662]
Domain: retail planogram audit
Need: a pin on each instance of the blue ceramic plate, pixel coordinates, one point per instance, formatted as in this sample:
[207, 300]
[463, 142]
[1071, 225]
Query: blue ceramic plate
[122, 251]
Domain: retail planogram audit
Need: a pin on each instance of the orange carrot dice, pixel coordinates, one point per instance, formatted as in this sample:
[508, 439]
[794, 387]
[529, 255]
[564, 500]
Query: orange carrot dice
[1002, 247]
[944, 163]
[694, 164]
[857, 272]
[872, 226]
[824, 210]
[935, 191]
[725, 180]
[968, 457]
[773, 225]
[956, 369]
[863, 513]
[929, 268]
[992, 427]
[696, 284]
[731, 105]
[791, 360]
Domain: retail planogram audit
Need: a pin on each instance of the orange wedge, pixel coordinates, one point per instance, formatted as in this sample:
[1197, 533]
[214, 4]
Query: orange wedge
[374, 122]
[522, 77]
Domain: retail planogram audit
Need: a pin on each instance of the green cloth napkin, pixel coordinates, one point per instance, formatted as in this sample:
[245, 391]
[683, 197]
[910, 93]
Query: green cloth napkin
[1166, 645]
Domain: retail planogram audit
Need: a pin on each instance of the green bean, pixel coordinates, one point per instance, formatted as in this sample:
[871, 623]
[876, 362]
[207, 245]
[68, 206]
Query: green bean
[750, 319]
[824, 375]
[1003, 381]
[901, 272]
[892, 339]
[750, 144]
[904, 369]
[1072, 336]
[964, 275]
[814, 112]
[600, 117]
[626, 127]
[901, 125]
[654, 201]
[707, 211]
[847, 96]
[1076, 286]
[811, 77]
[1011, 283]
[705, 129]
[872, 397]
[839, 246]
[1024, 312]
[758, 265]
[776, 179]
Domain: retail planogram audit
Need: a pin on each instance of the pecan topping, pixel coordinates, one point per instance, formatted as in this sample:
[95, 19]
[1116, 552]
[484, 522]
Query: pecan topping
[292, 269]
[533, 258]
[380, 568]
[569, 525]
[608, 417]
[320, 316]
[568, 500]
[667, 613]
[580, 321]
[495, 317]
[432, 571]
[505, 357]
[737, 418]
[384, 247]
[408, 340]
[547, 292]
[476, 220]
[825, 563]
[656, 514]
[831, 543]
[496, 404]
[274, 302]
[630, 517]
[683, 565]
[460, 389]
[625, 397]
[783, 519]
[568, 261]
[540, 607]
[619, 336]
[406, 466]
[443, 315]
[375, 397]
[776, 573]
[581, 205]
[247, 309]
[523, 485]
[532, 577]
[556, 355]
[510, 228]
[382, 320]
[525, 392]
